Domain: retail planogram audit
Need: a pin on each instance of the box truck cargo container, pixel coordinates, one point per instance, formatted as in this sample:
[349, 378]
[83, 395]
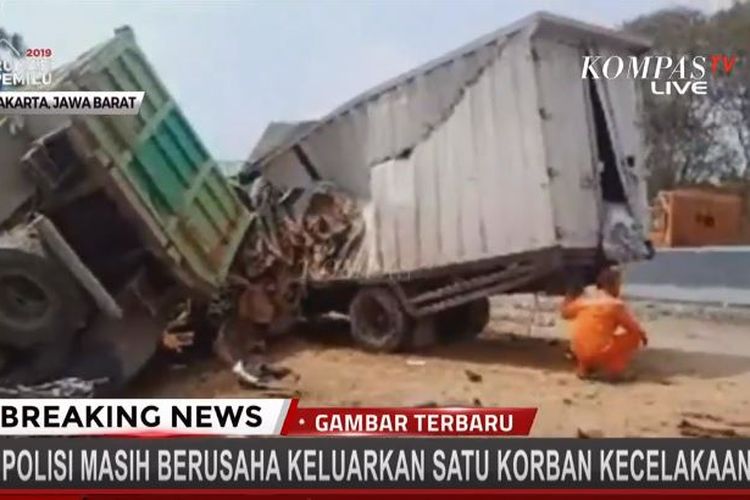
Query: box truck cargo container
[496, 168]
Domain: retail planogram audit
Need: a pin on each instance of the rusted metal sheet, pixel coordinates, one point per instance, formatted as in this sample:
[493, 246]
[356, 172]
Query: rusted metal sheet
[693, 217]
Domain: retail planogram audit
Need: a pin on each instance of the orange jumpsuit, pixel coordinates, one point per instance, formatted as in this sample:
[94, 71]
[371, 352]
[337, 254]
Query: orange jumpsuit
[596, 341]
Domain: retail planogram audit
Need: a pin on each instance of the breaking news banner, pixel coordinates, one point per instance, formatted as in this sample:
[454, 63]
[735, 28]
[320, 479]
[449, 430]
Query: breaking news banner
[247, 417]
[181, 445]
[70, 103]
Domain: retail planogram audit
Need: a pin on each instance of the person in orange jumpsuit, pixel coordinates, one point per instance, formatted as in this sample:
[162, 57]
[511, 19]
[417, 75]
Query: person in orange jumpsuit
[605, 335]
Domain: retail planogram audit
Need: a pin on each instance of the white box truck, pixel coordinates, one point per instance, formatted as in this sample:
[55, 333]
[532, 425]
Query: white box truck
[497, 168]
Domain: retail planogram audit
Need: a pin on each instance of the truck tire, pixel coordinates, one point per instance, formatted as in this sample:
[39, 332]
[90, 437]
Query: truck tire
[465, 321]
[378, 322]
[39, 301]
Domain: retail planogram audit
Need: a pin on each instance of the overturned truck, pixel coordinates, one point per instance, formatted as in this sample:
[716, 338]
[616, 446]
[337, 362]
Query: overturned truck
[107, 223]
[495, 169]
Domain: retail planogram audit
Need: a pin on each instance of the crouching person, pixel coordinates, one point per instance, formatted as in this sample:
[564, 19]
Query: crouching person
[604, 334]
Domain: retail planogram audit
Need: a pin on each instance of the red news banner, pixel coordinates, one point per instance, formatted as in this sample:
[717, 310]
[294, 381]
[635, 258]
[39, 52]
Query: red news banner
[408, 421]
[248, 417]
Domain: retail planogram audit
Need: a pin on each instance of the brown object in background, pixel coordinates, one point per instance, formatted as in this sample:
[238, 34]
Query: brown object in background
[698, 217]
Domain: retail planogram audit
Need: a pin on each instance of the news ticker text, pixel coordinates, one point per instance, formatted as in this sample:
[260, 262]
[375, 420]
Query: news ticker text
[371, 463]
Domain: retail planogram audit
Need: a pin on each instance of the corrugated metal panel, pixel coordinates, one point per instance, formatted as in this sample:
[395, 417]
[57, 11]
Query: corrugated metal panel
[274, 136]
[287, 172]
[391, 124]
[160, 165]
[457, 198]
[449, 161]
[568, 141]
[624, 101]
[440, 71]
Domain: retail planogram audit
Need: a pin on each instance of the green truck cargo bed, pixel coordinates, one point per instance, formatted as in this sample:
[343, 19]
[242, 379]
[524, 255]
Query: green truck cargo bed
[155, 165]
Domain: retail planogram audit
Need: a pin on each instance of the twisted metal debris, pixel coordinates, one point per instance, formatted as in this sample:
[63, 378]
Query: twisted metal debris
[317, 244]
[71, 387]
[283, 251]
[293, 237]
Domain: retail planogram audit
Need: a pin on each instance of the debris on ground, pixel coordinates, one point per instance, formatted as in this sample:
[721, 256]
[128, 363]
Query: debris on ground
[589, 433]
[280, 394]
[700, 370]
[259, 375]
[701, 416]
[592, 394]
[176, 342]
[281, 252]
[241, 344]
[689, 428]
[71, 387]
[474, 403]
[715, 418]
[415, 362]
[473, 376]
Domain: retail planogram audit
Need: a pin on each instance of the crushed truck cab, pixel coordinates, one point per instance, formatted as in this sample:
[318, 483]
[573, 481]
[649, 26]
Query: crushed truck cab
[127, 215]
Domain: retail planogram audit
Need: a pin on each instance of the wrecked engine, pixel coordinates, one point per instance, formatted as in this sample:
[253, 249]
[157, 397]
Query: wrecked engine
[294, 237]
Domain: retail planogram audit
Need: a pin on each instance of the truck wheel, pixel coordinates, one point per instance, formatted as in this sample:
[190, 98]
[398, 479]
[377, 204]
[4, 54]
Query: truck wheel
[378, 322]
[465, 321]
[38, 300]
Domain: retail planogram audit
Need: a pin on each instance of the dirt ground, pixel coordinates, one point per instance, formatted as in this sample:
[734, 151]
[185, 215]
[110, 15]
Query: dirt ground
[694, 378]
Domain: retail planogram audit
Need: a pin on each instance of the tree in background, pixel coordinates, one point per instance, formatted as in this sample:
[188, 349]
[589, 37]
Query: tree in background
[730, 33]
[697, 139]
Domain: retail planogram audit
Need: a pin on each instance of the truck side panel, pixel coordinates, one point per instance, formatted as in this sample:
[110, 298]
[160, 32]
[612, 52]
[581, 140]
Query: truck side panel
[476, 188]
[574, 180]
[156, 160]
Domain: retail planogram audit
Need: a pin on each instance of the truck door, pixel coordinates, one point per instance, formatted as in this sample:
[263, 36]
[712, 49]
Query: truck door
[615, 107]
[621, 107]
[569, 154]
